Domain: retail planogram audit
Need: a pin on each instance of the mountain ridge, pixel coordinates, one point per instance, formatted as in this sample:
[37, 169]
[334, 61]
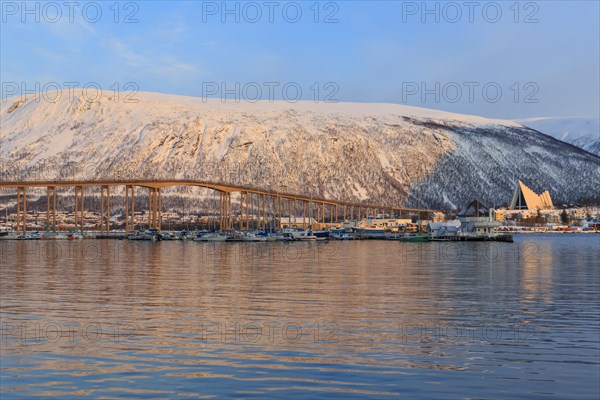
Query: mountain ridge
[582, 132]
[379, 153]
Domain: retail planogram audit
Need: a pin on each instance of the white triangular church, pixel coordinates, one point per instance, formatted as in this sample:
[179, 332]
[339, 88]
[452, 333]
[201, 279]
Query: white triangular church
[526, 199]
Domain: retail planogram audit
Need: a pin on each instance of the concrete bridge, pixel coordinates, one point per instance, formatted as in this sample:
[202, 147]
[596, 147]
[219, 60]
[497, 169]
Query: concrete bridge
[265, 204]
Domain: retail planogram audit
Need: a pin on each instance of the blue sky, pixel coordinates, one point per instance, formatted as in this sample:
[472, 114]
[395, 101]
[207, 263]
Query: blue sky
[370, 51]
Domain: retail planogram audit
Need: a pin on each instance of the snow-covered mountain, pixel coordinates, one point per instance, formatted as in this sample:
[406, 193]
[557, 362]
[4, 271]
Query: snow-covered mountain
[380, 153]
[578, 131]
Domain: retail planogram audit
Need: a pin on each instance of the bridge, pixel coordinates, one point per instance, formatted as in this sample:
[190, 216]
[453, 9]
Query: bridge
[262, 204]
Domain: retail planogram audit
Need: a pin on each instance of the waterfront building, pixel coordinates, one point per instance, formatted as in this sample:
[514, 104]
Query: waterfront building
[477, 219]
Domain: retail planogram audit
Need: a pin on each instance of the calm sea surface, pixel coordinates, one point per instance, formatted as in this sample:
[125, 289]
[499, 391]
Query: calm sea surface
[118, 319]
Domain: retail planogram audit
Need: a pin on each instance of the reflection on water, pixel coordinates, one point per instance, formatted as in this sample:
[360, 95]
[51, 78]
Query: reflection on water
[338, 319]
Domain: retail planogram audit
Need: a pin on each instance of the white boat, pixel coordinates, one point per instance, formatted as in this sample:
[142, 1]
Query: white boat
[251, 237]
[185, 235]
[169, 236]
[30, 236]
[299, 235]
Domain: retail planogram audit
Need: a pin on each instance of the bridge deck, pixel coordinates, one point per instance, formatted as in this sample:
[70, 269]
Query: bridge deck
[210, 185]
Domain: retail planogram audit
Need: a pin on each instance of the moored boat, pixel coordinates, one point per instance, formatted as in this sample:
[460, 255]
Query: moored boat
[212, 237]
[299, 234]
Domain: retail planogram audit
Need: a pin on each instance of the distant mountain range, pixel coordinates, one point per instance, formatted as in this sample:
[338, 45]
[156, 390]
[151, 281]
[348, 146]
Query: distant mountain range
[379, 153]
[578, 131]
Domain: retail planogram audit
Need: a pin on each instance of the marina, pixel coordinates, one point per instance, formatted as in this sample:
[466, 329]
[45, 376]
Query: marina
[247, 214]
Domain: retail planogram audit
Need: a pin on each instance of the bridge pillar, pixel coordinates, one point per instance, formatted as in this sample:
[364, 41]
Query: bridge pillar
[262, 212]
[79, 205]
[154, 205]
[129, 209]
[105, 209]
[275, 213]
[21, 210]
[249, 209]
[243, 210]
[279, 208]
[228, 203]
[51, 191]
[304, 214]
[293, 216]
[317, 206]
[220, 210]
[224, 211]
[321, 211]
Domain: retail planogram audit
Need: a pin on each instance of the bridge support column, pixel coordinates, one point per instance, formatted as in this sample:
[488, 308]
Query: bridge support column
[276, 211]
[129, 209]
[280, 208]
[21, 210]
[243, 210]
[105, 209]
[155, 205]
[318, 221]
[224, 211]
[249, 210]
[304, 214]
[51, 191]
[229, 219]
[264, 212]
[79, 204]
[293, 214]
[220, 210]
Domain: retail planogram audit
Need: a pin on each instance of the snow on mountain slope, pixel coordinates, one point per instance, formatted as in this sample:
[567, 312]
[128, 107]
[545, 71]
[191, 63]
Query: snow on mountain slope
[380, 153]
[578, 131]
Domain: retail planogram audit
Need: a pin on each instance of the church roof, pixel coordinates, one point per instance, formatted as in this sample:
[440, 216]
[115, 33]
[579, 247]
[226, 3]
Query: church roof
[526, 199]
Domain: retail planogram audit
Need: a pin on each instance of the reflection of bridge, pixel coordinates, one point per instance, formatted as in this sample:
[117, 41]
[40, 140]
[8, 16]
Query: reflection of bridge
[263, 204]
